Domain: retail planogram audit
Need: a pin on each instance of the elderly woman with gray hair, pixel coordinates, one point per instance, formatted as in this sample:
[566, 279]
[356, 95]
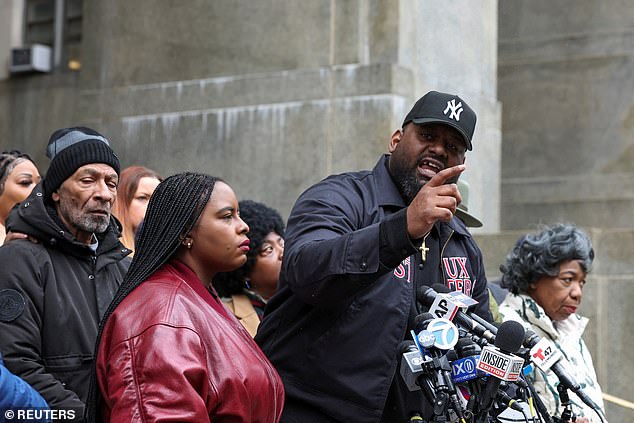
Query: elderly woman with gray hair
[545, 274]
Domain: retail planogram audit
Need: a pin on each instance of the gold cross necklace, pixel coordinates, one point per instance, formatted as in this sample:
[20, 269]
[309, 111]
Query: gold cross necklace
[423, 248]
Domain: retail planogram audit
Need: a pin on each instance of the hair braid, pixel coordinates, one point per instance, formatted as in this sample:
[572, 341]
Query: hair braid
[8, 160]
[172, 212]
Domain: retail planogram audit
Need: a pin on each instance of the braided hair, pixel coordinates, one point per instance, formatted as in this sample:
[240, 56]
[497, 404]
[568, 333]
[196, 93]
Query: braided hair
[8, 161]
[174, 209]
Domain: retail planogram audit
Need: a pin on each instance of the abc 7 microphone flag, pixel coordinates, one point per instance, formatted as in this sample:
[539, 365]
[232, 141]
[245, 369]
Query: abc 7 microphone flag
[445, 333]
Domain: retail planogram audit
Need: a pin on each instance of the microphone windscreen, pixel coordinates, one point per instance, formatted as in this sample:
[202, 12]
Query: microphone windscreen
[466, 347]
[510, 336]
[422, 317]
[530, 339]
[407, 346]
[441, 288]
[425, 295]
[464, 342]
[452, 355]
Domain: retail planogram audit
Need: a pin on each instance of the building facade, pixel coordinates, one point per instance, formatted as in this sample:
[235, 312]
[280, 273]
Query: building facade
[274, 95]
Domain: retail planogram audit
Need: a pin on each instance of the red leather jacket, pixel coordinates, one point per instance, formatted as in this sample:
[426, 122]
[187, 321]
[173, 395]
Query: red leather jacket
[169, 352]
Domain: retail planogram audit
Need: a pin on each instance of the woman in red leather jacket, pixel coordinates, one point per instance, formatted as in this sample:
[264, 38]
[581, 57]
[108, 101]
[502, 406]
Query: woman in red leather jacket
[168, 348]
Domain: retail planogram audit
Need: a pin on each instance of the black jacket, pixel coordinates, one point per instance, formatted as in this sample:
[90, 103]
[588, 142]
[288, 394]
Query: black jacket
[346, 298]
[57, 290]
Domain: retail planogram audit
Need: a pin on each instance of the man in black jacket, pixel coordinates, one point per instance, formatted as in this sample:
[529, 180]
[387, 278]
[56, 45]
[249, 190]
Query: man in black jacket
[53, 292]
[358, 245]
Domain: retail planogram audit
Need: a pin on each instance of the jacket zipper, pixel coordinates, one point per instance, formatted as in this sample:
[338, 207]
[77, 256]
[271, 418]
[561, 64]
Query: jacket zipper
[93, 260]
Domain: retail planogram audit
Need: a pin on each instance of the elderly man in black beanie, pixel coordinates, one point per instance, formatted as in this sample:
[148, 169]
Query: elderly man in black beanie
[53, 292]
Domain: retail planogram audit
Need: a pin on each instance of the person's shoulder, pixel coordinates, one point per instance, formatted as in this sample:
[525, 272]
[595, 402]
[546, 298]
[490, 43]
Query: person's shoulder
[497, 291]
[511, 308]
[342, 186]
[22, 250]
[346, 178]
[147, 304]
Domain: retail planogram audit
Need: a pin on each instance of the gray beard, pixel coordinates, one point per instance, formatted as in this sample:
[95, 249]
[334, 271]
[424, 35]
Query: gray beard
[86, 223]
[93, 224]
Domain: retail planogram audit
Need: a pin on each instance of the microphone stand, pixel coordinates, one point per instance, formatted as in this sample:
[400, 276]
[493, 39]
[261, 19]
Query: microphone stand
[567, 414]
[439, 369]
[539, 404]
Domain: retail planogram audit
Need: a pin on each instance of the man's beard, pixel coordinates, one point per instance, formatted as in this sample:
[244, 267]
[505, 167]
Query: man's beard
[84, 221]
[407, 179]
[94, 224]
[407, 182]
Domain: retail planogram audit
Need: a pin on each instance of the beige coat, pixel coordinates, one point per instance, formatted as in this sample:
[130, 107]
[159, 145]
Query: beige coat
[241, 307]
[566, 335]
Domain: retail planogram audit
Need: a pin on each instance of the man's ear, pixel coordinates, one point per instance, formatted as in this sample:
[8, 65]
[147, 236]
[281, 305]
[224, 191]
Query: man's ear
[55, 196]
[395, 139]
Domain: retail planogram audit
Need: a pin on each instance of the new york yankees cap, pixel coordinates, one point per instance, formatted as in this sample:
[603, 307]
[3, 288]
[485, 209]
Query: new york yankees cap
[437, 107]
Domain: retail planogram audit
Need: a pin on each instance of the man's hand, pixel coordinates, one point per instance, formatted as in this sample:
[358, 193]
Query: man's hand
[435, 201]
[18, 235]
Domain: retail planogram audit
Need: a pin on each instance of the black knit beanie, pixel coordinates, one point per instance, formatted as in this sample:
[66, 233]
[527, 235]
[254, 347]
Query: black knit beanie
[72, 148]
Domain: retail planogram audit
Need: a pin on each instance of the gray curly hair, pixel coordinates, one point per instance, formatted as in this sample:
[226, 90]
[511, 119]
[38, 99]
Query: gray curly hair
[540, 254]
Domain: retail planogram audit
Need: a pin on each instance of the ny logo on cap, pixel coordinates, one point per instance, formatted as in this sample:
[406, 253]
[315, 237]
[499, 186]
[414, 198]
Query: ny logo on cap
[454, 109]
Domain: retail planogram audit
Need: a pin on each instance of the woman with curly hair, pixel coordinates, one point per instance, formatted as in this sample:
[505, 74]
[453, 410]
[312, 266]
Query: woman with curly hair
[545, 273]
[18, 176]
[246, 290]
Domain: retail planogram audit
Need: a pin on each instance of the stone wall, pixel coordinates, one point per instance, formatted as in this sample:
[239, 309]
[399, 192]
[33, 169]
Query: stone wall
[566, 78]
[271, 95]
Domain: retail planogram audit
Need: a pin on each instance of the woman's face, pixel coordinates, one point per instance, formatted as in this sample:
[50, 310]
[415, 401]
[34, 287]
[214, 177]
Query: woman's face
[268, 263]
[18, 185]
[560, 295]
[140, 200]
[219, 238]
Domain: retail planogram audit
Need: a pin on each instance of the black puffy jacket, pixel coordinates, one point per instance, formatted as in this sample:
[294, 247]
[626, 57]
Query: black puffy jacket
[52, 296]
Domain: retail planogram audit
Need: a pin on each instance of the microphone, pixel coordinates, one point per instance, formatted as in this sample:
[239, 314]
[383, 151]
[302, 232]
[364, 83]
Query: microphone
[465, 372]
[427, 295]
[490, 326]
[411, 365]
[413, 371]
[435, 335]
[463, 369]
[547, 356]
[509, 402]
[500, 363]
